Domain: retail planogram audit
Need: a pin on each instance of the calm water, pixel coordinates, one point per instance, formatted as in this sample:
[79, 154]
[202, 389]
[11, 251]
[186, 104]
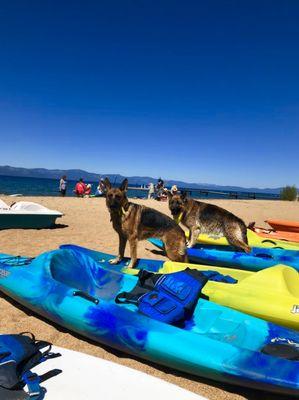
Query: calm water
[45, 187]
[49, 187]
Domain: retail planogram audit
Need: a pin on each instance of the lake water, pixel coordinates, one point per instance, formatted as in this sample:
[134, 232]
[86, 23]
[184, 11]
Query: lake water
[49, 187]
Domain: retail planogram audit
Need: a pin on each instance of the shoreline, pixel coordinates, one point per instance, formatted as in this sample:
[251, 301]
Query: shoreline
[29, 186]
[86, 222]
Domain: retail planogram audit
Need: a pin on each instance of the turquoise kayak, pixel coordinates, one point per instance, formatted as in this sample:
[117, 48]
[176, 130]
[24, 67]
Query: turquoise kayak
[76, 288]
[225, 256]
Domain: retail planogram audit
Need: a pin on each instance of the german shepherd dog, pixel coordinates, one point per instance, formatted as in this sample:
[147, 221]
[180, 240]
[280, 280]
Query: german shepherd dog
[201, 217]
[134, 222]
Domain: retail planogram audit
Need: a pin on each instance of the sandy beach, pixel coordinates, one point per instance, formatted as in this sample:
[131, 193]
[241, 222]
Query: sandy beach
[86, 222]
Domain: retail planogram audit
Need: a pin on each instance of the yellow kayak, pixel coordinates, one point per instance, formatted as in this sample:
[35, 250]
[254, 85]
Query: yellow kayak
[254, 240]
[271, 294]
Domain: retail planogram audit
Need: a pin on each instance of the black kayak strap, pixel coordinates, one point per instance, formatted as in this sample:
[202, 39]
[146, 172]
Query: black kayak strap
[131, 297]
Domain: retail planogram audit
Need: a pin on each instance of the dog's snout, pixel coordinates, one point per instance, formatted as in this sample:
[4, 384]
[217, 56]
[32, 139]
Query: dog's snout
[113, 201]
[175, 208]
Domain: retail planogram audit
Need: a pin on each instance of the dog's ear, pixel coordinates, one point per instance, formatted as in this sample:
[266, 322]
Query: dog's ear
[124, 185]
[107, 183]
[169, 194]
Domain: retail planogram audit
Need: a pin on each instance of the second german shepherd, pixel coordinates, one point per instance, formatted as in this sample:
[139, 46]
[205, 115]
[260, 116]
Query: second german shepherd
[201, 217]
[134, 222]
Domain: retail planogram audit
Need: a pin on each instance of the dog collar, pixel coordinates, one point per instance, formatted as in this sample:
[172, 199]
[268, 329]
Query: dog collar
[122, 211]
[179, 218]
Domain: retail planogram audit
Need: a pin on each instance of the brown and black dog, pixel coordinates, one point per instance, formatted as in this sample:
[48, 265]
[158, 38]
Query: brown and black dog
[134, 222]
[201, 217]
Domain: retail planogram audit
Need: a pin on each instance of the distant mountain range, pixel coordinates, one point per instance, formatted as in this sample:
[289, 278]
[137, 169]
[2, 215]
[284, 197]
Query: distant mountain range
[74, 174]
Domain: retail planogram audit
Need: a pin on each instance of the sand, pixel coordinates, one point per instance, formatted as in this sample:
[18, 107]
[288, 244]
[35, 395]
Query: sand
[86, 222]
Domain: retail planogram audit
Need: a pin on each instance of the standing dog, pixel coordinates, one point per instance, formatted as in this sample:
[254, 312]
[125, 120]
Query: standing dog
[201, 217]
[134, 222]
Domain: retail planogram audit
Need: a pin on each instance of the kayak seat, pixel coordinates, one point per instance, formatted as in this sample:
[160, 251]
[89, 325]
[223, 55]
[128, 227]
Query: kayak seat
[73, 271]
[284, 279]
[81, 272]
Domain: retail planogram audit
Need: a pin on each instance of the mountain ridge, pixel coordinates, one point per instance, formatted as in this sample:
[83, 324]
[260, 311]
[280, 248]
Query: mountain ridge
[74, 174]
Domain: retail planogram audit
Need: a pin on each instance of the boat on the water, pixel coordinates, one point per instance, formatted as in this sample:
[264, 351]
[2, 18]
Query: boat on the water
[70, 288]
[27, 215]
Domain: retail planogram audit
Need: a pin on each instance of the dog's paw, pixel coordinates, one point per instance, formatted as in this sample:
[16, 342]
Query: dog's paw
[114, 261]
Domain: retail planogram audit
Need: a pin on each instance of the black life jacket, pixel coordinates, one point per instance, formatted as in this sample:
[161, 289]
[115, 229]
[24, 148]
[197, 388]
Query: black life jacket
[18, 354]
[169, 298]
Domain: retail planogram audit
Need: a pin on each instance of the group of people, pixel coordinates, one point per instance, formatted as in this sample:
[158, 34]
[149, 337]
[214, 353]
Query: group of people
[159, 192]
[81, 188]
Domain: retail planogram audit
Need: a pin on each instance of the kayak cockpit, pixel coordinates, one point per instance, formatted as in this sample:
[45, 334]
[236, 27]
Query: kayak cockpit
[79, 271]
[282, 278]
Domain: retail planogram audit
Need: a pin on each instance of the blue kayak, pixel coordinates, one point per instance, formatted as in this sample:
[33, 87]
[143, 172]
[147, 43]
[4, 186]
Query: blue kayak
[76, 288]
[225, 256]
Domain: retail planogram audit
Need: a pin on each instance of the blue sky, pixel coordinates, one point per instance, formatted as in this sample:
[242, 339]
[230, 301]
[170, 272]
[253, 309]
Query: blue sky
[191, 90]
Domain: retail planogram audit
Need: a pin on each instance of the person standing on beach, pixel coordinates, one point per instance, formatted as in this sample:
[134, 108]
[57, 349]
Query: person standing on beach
[101, 188]
[62, 185]
[151, 190]
[80, 188]
[159, 188]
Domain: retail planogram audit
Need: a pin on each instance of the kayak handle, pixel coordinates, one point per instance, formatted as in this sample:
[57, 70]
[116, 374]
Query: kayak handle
[272, 242]
[269, 241]
[86, 296]
[263, 255]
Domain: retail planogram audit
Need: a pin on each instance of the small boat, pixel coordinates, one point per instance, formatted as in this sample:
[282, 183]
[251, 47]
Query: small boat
[254, 240]
[275, 302]
[284, 225]
[27, 215]
[81, 374]
[72, 290]
[226, 256]
[273, 234]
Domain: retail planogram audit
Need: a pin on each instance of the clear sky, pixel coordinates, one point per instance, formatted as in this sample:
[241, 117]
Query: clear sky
[201, 91]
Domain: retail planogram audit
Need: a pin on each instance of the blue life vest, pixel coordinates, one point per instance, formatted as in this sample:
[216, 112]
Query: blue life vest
[18, 354]
[169, 298]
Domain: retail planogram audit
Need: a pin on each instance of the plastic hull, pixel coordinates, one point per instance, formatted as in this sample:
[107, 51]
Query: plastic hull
[284, 225]
[218, 343]
[11, 220]
[275, 302]
[254, 240]
[225, 256]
